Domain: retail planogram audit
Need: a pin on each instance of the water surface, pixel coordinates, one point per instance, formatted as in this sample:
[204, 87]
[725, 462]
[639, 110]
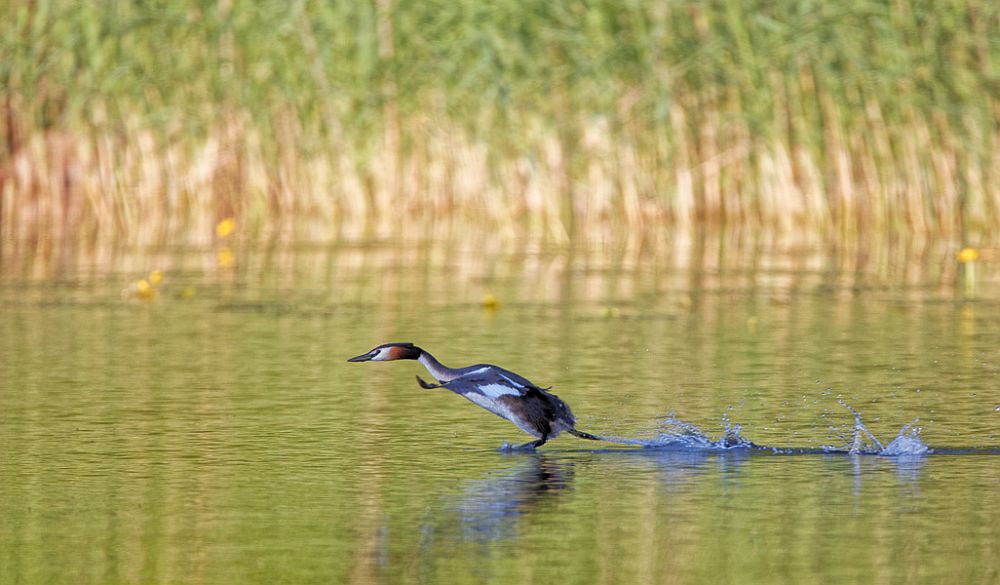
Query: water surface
[216, 434]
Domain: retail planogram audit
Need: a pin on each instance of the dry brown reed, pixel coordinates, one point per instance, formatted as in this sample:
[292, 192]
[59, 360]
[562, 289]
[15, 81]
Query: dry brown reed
[133, 188]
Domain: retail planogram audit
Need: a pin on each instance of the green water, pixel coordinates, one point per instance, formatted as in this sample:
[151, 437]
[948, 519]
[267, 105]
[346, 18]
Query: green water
[217, 435]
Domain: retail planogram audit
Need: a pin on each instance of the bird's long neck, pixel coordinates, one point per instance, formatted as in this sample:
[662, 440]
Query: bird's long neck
[436, 368]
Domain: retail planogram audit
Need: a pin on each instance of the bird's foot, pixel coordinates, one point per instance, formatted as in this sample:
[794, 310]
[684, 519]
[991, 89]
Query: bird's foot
[525, 448]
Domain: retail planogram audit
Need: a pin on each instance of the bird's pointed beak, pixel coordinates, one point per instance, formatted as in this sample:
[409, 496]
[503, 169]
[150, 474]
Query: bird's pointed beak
[363, 357]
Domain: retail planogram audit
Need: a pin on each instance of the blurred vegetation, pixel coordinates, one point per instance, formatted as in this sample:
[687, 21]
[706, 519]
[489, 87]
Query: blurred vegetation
[145, 122]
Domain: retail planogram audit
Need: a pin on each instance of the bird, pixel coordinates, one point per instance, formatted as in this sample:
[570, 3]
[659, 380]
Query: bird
[533, 409]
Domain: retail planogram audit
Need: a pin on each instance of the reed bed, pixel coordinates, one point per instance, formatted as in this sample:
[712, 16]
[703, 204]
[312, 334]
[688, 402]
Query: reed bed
[144, 124]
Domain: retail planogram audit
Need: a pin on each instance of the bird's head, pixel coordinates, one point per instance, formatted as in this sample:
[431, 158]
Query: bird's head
[388, 352]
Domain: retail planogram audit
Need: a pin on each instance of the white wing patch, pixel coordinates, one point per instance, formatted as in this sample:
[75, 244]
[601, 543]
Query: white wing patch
[513, 383]
[491, 405]
[497, 390]
[500, 409]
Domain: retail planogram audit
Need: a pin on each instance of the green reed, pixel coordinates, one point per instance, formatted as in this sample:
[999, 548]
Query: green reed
[148, 122]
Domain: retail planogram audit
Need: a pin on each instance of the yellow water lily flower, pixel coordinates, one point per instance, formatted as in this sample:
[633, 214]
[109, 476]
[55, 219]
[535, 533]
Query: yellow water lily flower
[225, 227]
[490, 302]
[968, 255]
[144, 290]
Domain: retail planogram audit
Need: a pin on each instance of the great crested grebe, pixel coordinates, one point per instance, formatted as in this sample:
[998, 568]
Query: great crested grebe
[499, 391]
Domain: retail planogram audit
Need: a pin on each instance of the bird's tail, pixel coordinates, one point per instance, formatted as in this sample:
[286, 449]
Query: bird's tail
[583, 435]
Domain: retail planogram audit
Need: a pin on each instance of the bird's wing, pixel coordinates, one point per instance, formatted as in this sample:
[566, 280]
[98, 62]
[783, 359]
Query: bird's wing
[493, 386]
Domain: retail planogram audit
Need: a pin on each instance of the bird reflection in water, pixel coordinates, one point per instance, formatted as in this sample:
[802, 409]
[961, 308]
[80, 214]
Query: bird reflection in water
[493, 508]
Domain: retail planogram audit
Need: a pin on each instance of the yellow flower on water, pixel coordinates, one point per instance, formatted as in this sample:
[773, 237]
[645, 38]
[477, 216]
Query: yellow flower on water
[490, 302]
[225, 227]
[155, 277]
[968, 255]
[225, 257]
[144, 290]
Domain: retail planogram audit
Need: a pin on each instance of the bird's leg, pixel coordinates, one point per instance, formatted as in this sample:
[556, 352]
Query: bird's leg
[425, 385]
[532, 445]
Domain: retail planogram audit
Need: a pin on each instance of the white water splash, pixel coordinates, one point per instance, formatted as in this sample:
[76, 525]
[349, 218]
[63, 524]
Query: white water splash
[674, 433]
[907, 443]
[863, 442]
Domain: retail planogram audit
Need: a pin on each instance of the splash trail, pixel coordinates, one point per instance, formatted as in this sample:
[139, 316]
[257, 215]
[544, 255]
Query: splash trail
[673, 433]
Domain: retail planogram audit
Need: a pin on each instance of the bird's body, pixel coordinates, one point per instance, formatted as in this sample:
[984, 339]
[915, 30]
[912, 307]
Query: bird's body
[502, 392]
